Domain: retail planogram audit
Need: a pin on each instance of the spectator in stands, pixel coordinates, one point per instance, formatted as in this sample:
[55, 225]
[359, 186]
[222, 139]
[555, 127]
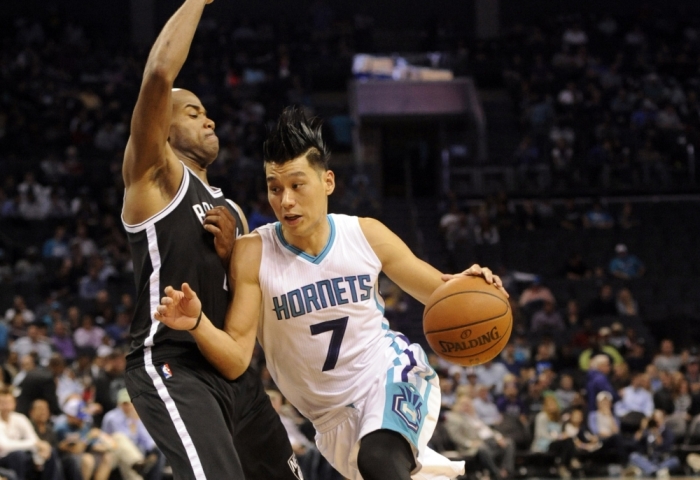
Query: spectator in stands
[448, 389]
[565, 393]
[575, 428]
[118, 332]
[472, 436]
[549, 437]
[619, 338]
[40, 383]
[663, 396]
[29, 270]
[603, 304]
[601, 346]
[682, 403]
[91, 284]
[82, 240]
[88, 335]
[692, 374]
[62, 341]
[529, 219]
[574, 36]
[486, 233]
[21, 450]
[625, 265]
[635, 398]
[19, 307]
[491, 374]
[56, 246]
[6, 274]
[571, 218]
[27, 363]
[87, 445]
[626, 304]
[40, 416]
[536, 292]
[605, 426]
[110, 380]
[124, 426]
[515, 423]
[548, 319]
[576, 268]
[667, 360]
[654, 455]
[627, 219]
[620, 377]
[33, 342]
[598, 380]
[485, 407]
[598, 218]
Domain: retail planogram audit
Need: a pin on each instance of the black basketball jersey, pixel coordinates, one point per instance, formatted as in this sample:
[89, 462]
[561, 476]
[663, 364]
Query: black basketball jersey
[170, 248]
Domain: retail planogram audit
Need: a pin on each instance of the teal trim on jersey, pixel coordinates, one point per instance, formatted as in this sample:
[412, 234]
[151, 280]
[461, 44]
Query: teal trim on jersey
[394, 345]
[310, 258]
[427, 362]
[379, 305]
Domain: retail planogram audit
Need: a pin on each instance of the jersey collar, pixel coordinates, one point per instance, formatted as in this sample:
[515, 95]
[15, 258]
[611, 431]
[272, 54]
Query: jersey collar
[300, 253]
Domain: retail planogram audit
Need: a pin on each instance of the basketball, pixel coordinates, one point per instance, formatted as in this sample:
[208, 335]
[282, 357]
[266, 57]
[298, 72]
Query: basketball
[467, 321]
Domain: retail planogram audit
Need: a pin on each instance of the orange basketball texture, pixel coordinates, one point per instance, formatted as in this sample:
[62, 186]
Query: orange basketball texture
[467, 321]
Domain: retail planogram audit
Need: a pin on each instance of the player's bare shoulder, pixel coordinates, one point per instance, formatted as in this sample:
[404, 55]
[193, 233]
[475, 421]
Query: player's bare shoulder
[247, 255]
[377, 234]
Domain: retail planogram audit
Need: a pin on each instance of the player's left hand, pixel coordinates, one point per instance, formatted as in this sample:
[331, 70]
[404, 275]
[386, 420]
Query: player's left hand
[221, 223]
[477, 270]
[179, 309]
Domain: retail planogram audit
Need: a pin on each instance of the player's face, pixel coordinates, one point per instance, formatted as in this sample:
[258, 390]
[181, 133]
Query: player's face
[191, 131]
[298, 194]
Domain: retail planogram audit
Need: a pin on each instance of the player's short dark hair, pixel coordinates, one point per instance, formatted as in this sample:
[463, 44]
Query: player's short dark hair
[295, 135]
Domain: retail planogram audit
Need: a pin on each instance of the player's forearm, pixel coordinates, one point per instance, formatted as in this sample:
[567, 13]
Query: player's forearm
[170, 49]
[221, 350]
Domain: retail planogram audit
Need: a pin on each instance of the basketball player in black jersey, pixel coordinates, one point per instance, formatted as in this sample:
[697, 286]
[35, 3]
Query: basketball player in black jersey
[182, 229]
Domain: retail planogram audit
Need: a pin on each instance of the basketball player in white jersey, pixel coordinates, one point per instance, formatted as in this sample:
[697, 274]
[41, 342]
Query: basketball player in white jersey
[307, 286]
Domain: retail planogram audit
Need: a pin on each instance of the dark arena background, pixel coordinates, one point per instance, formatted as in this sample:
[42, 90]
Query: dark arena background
[555, 142]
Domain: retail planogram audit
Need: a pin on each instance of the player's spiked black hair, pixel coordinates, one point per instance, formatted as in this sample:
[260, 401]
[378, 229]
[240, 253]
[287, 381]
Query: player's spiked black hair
[295, 135]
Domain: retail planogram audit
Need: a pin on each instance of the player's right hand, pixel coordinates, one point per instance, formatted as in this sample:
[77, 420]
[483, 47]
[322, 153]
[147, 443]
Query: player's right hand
[179, 309]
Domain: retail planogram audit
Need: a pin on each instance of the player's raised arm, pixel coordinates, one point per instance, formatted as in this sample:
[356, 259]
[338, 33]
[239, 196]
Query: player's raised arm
[414, 276]
[229, 350]
[147, 153]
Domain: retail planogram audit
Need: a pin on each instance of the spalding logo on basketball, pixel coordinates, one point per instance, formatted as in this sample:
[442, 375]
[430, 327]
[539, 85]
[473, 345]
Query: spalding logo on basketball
[467, 321]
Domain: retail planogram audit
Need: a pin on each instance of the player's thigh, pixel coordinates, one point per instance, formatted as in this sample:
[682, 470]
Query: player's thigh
[186, 419]
[260, 438]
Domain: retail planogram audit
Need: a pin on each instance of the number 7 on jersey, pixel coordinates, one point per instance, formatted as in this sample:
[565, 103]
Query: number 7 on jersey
[336, 326]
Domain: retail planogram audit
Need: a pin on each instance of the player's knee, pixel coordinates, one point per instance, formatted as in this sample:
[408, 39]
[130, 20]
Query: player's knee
[385, 455]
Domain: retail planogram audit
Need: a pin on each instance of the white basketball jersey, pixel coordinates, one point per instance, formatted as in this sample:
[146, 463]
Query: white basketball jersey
[323, 327]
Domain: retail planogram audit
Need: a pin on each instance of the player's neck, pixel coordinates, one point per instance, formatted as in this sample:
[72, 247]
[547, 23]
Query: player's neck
[314, 240]
[196, 168]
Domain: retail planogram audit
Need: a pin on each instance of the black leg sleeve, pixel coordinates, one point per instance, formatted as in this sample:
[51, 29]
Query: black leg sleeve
[385, 455]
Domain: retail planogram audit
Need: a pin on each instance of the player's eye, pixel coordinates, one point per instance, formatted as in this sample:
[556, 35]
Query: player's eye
[193, 115]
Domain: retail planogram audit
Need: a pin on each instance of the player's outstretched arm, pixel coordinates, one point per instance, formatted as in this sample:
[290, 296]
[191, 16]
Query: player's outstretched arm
[147, 152]
[414, 276]
[231, 349]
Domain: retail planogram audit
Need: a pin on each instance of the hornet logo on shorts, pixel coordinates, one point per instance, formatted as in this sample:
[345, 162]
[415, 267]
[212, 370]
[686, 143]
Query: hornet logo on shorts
[407, 405]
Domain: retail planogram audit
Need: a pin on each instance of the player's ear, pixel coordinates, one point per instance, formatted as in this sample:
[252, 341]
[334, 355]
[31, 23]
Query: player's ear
[328, 181]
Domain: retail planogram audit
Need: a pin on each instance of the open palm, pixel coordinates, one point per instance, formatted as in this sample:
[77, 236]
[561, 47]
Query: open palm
[179, 309]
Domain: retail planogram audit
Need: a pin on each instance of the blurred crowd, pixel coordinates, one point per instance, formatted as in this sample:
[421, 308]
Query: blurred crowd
[602, 102]
[605, 102]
